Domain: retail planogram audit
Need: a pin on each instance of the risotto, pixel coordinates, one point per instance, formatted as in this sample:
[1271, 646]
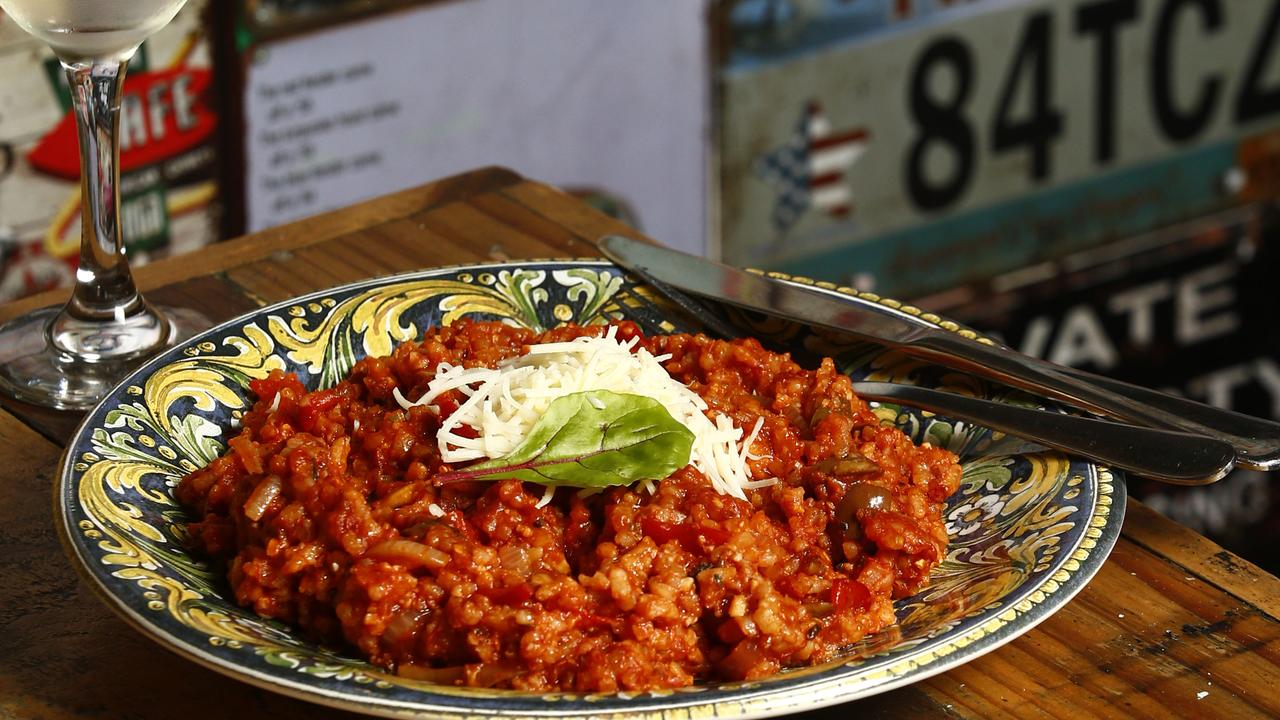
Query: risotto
[335, 511]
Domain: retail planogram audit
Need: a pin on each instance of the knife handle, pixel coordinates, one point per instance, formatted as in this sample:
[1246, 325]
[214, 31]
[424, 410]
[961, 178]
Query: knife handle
[1256, 441]
[1168, 456]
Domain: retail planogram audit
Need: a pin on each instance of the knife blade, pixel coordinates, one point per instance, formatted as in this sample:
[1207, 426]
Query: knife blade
[1170, 456]
[1256, 441]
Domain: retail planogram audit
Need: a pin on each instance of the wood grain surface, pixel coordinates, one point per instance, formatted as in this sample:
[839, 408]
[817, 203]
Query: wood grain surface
[1173, 625]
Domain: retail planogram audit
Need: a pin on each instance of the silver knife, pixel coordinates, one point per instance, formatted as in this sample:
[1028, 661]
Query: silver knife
[1166, 455]
[1256, 441]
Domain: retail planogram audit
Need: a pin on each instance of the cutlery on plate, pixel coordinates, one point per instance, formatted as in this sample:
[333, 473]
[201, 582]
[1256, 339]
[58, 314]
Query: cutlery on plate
[1205, 461]
[1166, 455]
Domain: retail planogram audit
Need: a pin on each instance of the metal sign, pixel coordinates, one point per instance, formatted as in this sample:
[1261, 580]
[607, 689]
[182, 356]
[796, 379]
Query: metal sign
[921, 145]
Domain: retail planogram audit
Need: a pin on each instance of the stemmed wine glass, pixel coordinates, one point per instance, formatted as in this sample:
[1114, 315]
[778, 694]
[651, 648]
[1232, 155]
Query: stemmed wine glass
[70, 358]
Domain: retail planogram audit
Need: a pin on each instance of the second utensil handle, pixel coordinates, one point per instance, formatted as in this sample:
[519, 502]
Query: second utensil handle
[1173, 457]
[1257, 441]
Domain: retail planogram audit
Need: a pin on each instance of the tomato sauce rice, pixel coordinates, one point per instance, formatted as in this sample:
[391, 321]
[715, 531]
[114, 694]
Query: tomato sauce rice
[327, 511]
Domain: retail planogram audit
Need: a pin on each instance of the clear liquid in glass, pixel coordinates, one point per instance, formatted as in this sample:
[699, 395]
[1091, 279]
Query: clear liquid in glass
[78, 29]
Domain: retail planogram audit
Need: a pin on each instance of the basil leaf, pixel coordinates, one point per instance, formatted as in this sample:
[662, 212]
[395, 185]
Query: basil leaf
[594, 438]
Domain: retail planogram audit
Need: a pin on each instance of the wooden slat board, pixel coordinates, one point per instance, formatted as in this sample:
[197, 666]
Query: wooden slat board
[1172, 625]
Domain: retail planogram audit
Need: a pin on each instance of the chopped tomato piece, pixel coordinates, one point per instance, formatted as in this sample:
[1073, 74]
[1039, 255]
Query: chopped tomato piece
[592, 620]
[247, 450]
[684, 533]
[467, 431]
[448, 404]
[513, 595]
[268, 387]
[314, 405]
[849, 595]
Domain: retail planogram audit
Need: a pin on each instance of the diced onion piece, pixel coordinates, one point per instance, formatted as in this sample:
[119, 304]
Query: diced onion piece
[515, 558]
[401, 624]
[260, 499]
[409, 554]
[401, 496]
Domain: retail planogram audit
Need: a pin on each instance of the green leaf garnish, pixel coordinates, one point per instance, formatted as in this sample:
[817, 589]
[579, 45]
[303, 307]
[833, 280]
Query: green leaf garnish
[594, 438]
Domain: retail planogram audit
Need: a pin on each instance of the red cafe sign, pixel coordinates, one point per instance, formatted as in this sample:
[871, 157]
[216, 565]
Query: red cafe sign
[162, 115]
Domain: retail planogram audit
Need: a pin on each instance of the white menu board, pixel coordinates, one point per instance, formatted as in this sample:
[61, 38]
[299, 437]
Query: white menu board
[607, 97]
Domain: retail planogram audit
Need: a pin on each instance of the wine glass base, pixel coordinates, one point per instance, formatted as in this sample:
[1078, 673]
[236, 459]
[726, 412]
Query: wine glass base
[35, 372]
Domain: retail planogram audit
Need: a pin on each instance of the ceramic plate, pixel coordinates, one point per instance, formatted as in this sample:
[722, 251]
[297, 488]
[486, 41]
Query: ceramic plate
[1029, 527]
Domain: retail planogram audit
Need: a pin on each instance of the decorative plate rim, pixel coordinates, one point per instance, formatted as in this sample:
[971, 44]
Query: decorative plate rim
[1032, 605]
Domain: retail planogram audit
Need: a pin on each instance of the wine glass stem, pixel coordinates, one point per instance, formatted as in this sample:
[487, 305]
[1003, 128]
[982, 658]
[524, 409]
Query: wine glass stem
[106, 323]
[104, 289]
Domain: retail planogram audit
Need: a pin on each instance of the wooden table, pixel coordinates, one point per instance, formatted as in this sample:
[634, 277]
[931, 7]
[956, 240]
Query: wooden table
[1172, 625]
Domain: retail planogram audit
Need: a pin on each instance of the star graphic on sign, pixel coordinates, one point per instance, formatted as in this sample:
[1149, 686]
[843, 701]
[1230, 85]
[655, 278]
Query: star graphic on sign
[809, 169]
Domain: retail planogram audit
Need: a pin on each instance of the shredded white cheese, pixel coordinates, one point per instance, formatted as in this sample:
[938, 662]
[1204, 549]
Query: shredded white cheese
[546, 497]
[503, 404]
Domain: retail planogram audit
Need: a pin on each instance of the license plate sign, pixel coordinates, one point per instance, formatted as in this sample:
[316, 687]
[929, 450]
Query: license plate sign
[1003, 131]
